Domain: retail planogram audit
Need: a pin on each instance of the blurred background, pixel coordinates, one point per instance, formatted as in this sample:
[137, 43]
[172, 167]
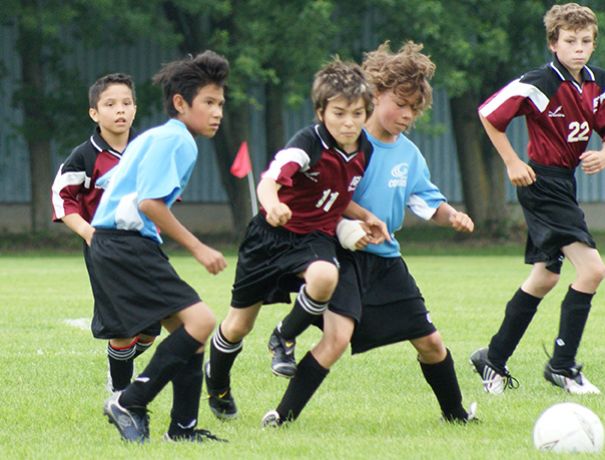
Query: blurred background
[51, 51]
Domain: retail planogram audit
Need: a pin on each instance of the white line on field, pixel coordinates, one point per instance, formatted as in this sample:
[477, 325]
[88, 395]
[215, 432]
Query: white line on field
[79, 323]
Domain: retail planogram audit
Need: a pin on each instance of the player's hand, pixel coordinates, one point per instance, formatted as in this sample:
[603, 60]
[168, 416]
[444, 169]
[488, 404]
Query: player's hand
[376, 229]
[461, 222]
[279, 215]
[593, 161]
[520, 173]
[211, 259]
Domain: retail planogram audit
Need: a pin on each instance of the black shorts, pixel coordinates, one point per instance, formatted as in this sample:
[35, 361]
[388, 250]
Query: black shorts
[554, 218]
[101, 325]
[136, 287]
[381, 295]
[270, 260]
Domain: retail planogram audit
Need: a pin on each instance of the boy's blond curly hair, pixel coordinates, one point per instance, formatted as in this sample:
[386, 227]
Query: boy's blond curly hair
[569, 16]
[406, 72]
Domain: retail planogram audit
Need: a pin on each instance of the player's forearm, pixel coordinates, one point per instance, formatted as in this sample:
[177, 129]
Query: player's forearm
[500, 142]
[162, 216]
[267, 193]
[443, 214]
[76, 223]
[355, 211]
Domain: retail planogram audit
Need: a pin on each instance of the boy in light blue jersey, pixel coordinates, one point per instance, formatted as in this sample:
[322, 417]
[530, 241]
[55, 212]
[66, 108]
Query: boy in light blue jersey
[138, 285]
[377, 301]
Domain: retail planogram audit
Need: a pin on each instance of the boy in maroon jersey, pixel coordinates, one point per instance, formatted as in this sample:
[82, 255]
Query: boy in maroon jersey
[563, 104]
[290, 245]
[75, 197]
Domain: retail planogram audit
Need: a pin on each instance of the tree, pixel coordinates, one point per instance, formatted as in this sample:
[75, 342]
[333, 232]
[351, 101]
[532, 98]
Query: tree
[49, 105]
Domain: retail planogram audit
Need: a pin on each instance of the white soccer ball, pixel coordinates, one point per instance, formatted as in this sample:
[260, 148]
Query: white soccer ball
[349, 232]
[568, 427]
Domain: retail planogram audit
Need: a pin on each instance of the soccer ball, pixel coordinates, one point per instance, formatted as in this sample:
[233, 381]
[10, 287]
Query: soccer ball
[568, 427]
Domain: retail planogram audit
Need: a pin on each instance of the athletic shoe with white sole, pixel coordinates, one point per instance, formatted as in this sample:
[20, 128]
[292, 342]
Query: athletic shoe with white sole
[495, 380]
[221, 401]
[193, 436]
[271, 419]
[571, 380]
[469, 416]
[283, 363]
[132, 425]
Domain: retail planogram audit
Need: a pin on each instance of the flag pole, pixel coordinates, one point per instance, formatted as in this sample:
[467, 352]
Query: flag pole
[252, 188]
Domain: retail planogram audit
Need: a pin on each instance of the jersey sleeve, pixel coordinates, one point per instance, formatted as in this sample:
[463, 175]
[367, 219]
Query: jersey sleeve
[511, 101]
[66, 189]
[160, 172]
[294, 157]
[599, 104]
[425, 197]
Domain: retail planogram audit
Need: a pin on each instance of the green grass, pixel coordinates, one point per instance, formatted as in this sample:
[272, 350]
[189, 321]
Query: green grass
[375, 405]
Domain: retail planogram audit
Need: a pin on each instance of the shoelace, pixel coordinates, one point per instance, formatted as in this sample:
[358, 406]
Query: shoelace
[510, 381]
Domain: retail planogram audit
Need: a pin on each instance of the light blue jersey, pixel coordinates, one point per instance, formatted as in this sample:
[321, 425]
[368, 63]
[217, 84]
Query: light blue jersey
[156, 165]
[397, 176]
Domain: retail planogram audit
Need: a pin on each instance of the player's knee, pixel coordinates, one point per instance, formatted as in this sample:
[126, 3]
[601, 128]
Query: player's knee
[235, 329]
[430, 348]
[321, 279]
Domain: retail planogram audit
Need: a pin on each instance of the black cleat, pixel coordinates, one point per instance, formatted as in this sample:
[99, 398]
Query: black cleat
[463, 417]
[193, 436]
[571, 380]
[221, 402]
[272, 419]
[495, 379]
[132, 425]
[283, 363]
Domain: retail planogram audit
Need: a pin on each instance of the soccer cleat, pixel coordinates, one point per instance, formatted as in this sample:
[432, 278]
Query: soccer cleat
[495, 380]
[221, 402]
[464, 417]
[283, 363]
[133, 426]
[571, 380]
[193, 436]
[271, 419]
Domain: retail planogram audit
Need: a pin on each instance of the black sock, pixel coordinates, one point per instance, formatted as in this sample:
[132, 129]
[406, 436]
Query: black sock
[170, 356]
[520, 310]
[222, 357]
[142, 347]
[121, 365]
[186, 391]
[442, 379]
[300, 390]
[302, 315]
[574, 314]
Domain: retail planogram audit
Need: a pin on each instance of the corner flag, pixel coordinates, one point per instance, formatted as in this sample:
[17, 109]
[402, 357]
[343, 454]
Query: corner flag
[241, 165]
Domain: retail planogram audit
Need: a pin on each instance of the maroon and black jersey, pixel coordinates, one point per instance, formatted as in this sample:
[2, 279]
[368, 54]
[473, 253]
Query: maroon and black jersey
[317, 178]
[561, 113]
[74, 189]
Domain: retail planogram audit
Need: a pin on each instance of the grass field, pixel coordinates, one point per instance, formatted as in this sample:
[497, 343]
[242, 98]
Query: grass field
[375, 405]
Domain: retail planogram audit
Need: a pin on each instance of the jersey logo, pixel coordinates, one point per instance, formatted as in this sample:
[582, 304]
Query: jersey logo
[557, 113]
[400, 175]
[314, 176]
[354, 183]
[597, 101]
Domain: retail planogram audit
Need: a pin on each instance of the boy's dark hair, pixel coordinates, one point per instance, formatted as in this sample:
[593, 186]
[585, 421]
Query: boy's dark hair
[569, 16]
[338, 78]
[187, 76]
[94, 92]
[406, 73]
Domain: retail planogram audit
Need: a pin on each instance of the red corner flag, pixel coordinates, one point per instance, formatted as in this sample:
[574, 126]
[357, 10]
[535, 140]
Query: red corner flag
[241, 164]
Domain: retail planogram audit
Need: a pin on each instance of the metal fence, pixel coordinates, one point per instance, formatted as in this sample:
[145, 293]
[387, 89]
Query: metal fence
[436, 141]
